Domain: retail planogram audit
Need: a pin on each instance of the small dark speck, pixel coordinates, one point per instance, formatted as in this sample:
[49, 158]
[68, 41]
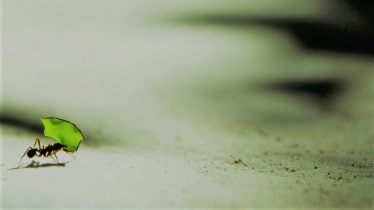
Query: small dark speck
[328, 173]
[353, 164]
[286, 169]
[315, 167]
[293, 170]
[340, 178]
[354, 177]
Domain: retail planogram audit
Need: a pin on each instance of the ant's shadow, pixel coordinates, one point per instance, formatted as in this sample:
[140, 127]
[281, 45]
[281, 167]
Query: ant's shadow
[35, 164]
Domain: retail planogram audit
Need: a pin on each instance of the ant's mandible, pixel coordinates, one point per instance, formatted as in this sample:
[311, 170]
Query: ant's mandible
[49, 151]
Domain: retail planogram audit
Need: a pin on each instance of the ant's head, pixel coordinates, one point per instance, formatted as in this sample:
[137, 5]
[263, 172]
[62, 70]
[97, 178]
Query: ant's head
[64, 148]
[31, 153]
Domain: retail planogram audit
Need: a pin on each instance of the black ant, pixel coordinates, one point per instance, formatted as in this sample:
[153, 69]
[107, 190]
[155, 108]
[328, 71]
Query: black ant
[46, 152]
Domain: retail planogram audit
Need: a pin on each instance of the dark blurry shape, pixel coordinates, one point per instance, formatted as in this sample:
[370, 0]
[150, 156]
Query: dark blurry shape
[345, 37]
[22, 124]
[350, 31]
[364, 8]
[329, 37]
[323, 92]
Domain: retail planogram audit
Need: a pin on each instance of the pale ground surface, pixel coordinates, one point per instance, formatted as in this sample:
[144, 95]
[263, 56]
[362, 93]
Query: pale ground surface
[164, 105]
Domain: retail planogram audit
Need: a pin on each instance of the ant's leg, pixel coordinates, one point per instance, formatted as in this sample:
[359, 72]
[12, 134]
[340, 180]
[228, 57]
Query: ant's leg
[39, 155]
[58, 165]
[69, 154]
[54, 153]
[23, 156]
[56, 158]
[37, 140]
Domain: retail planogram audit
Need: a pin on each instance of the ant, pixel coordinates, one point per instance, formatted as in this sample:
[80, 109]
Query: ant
[46, 152]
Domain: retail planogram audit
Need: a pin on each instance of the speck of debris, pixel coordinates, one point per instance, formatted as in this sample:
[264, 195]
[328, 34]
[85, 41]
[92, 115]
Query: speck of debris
[293, 170]
[354, 176]
[340, 178]
[286, 169]
[328, 173]
[315, 167]
[353, 164]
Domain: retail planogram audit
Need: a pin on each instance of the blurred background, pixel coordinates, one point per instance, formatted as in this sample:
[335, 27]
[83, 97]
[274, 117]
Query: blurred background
[284, 85]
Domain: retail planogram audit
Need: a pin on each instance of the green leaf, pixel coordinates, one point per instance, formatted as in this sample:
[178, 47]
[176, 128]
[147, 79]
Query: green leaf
[64, 132]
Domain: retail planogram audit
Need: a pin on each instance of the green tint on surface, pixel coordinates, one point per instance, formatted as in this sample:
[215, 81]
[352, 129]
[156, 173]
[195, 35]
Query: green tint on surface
[65, 132]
